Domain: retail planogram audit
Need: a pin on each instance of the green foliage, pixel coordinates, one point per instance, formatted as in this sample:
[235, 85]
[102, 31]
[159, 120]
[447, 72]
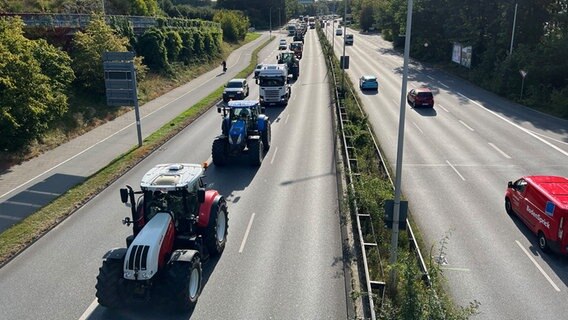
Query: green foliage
[234, 24]
[34, 77]
[152, 46]
[143, 7]
[174, 44]
[187, 50]
[88, 49]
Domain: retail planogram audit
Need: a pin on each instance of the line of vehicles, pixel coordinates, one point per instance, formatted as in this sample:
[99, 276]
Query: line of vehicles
[177, 224]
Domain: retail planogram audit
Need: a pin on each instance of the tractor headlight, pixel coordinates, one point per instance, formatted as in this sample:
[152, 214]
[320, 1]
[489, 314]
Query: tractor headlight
[129, 274]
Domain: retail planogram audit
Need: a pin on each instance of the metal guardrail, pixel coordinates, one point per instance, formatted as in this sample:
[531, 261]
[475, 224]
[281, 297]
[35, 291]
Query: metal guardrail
[413, 243]
[365, 220]
[362, 220]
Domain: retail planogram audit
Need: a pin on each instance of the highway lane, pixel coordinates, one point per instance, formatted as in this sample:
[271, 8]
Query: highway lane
[290, 263]
[457, 161]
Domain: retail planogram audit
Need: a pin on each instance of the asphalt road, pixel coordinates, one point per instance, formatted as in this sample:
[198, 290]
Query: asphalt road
[283, 257]
[458, 158]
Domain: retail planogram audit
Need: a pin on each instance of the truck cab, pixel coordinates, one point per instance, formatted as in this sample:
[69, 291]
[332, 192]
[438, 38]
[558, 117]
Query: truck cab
[273, 83]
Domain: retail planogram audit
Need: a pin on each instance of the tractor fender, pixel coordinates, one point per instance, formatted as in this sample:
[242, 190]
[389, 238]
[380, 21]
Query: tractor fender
[261, 122]
[115, 254]
[184, 255]
[212, 198]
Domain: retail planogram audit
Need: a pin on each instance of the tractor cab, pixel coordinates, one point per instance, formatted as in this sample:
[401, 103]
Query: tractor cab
[175, 189]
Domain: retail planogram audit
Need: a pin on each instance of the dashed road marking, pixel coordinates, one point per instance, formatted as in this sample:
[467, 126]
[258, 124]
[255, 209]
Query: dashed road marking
[538, 267]
[499, 150]
[465, 125]
[246, 233]
[456, 170]
[417, 127]
[274, 155]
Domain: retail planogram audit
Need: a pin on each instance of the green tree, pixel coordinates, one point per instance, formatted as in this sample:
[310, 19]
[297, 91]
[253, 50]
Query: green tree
[88, 48]
[34, 77]
[234, 24]
[173, 44]
[152, 46]
[143, 7]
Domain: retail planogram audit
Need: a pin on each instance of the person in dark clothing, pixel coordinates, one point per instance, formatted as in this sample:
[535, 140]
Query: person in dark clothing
[224, 64]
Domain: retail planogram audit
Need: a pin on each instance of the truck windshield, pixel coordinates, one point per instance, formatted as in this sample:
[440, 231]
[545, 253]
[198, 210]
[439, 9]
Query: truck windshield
[272, 82]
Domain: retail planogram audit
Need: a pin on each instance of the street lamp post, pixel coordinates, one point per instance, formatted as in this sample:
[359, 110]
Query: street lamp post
[398, 175]
[279, 19]
[513, 32]
[270, 19]
[344, 58]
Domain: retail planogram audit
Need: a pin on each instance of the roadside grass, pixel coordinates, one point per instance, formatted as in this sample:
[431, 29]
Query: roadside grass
[15, 239]
[409, 297]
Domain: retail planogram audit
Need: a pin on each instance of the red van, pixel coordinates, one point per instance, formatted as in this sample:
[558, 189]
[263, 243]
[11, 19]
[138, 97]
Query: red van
[542, 204]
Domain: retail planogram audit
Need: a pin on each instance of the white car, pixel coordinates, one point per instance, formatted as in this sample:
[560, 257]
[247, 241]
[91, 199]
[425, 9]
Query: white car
[283, 45]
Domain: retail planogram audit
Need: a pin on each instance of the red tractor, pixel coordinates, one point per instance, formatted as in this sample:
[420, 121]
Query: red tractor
[176, 225]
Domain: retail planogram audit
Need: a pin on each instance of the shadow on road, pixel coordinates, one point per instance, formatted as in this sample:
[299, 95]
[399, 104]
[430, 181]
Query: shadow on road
[23, 204]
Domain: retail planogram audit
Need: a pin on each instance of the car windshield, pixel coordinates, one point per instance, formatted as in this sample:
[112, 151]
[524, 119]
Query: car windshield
[425, 94]
[271, 82]
[235, 84]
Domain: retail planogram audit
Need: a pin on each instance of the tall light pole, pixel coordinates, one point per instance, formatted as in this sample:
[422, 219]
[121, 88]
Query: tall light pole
[270, 19]
[398, 176]
[344, 58]
[513, 32]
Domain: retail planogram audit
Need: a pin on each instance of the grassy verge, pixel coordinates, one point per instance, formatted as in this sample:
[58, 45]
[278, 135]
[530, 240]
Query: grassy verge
[407, 297]
[18, 237]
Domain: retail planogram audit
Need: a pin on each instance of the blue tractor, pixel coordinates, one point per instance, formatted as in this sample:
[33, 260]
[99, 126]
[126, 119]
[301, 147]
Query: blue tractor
[244, 130]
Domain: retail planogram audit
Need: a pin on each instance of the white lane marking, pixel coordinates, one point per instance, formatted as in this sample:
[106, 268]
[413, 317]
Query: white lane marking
[246, 233]
[439, 105]
[465, 125]
[274, 155]
[538, 267]
[443, 84]
[550, 138]
[518, 127]
[287, 117]
[456, 170]
[499, 150]
[417, 127]
[455, 269]
[10, 218]
[89, 310]
[461, 95]
[430, 77]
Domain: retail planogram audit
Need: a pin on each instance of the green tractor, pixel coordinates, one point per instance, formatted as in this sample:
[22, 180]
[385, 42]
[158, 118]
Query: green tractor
[289, 59]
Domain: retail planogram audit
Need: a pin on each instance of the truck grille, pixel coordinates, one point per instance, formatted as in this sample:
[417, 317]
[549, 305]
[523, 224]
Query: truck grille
[138, 257]
[272, 95]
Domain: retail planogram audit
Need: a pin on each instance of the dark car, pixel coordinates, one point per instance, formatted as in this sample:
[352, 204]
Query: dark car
[348, 39]
[421, 97]
[236, 89]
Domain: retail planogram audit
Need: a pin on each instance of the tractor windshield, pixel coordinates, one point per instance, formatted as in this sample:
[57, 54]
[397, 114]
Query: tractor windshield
[240, 113]
[158, 201]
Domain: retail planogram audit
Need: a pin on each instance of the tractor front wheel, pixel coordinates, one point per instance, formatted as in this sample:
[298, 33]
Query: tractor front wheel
[219, 152]
[183, 283]
[256, 152]
[266, 136]
[109, 283]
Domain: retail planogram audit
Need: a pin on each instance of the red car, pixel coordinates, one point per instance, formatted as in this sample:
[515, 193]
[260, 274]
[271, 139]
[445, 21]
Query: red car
[421, 97]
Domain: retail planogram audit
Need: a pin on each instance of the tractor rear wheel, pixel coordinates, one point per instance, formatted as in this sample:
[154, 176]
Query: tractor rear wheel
[217, 229]
[183, 284]
[266, 136]
[219, 152]
[108, 284]
[256, 152]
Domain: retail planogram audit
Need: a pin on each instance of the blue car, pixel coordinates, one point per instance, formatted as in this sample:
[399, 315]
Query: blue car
[368, 83]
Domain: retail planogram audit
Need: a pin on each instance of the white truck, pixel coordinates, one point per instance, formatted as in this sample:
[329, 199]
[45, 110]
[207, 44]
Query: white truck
[273, 83]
